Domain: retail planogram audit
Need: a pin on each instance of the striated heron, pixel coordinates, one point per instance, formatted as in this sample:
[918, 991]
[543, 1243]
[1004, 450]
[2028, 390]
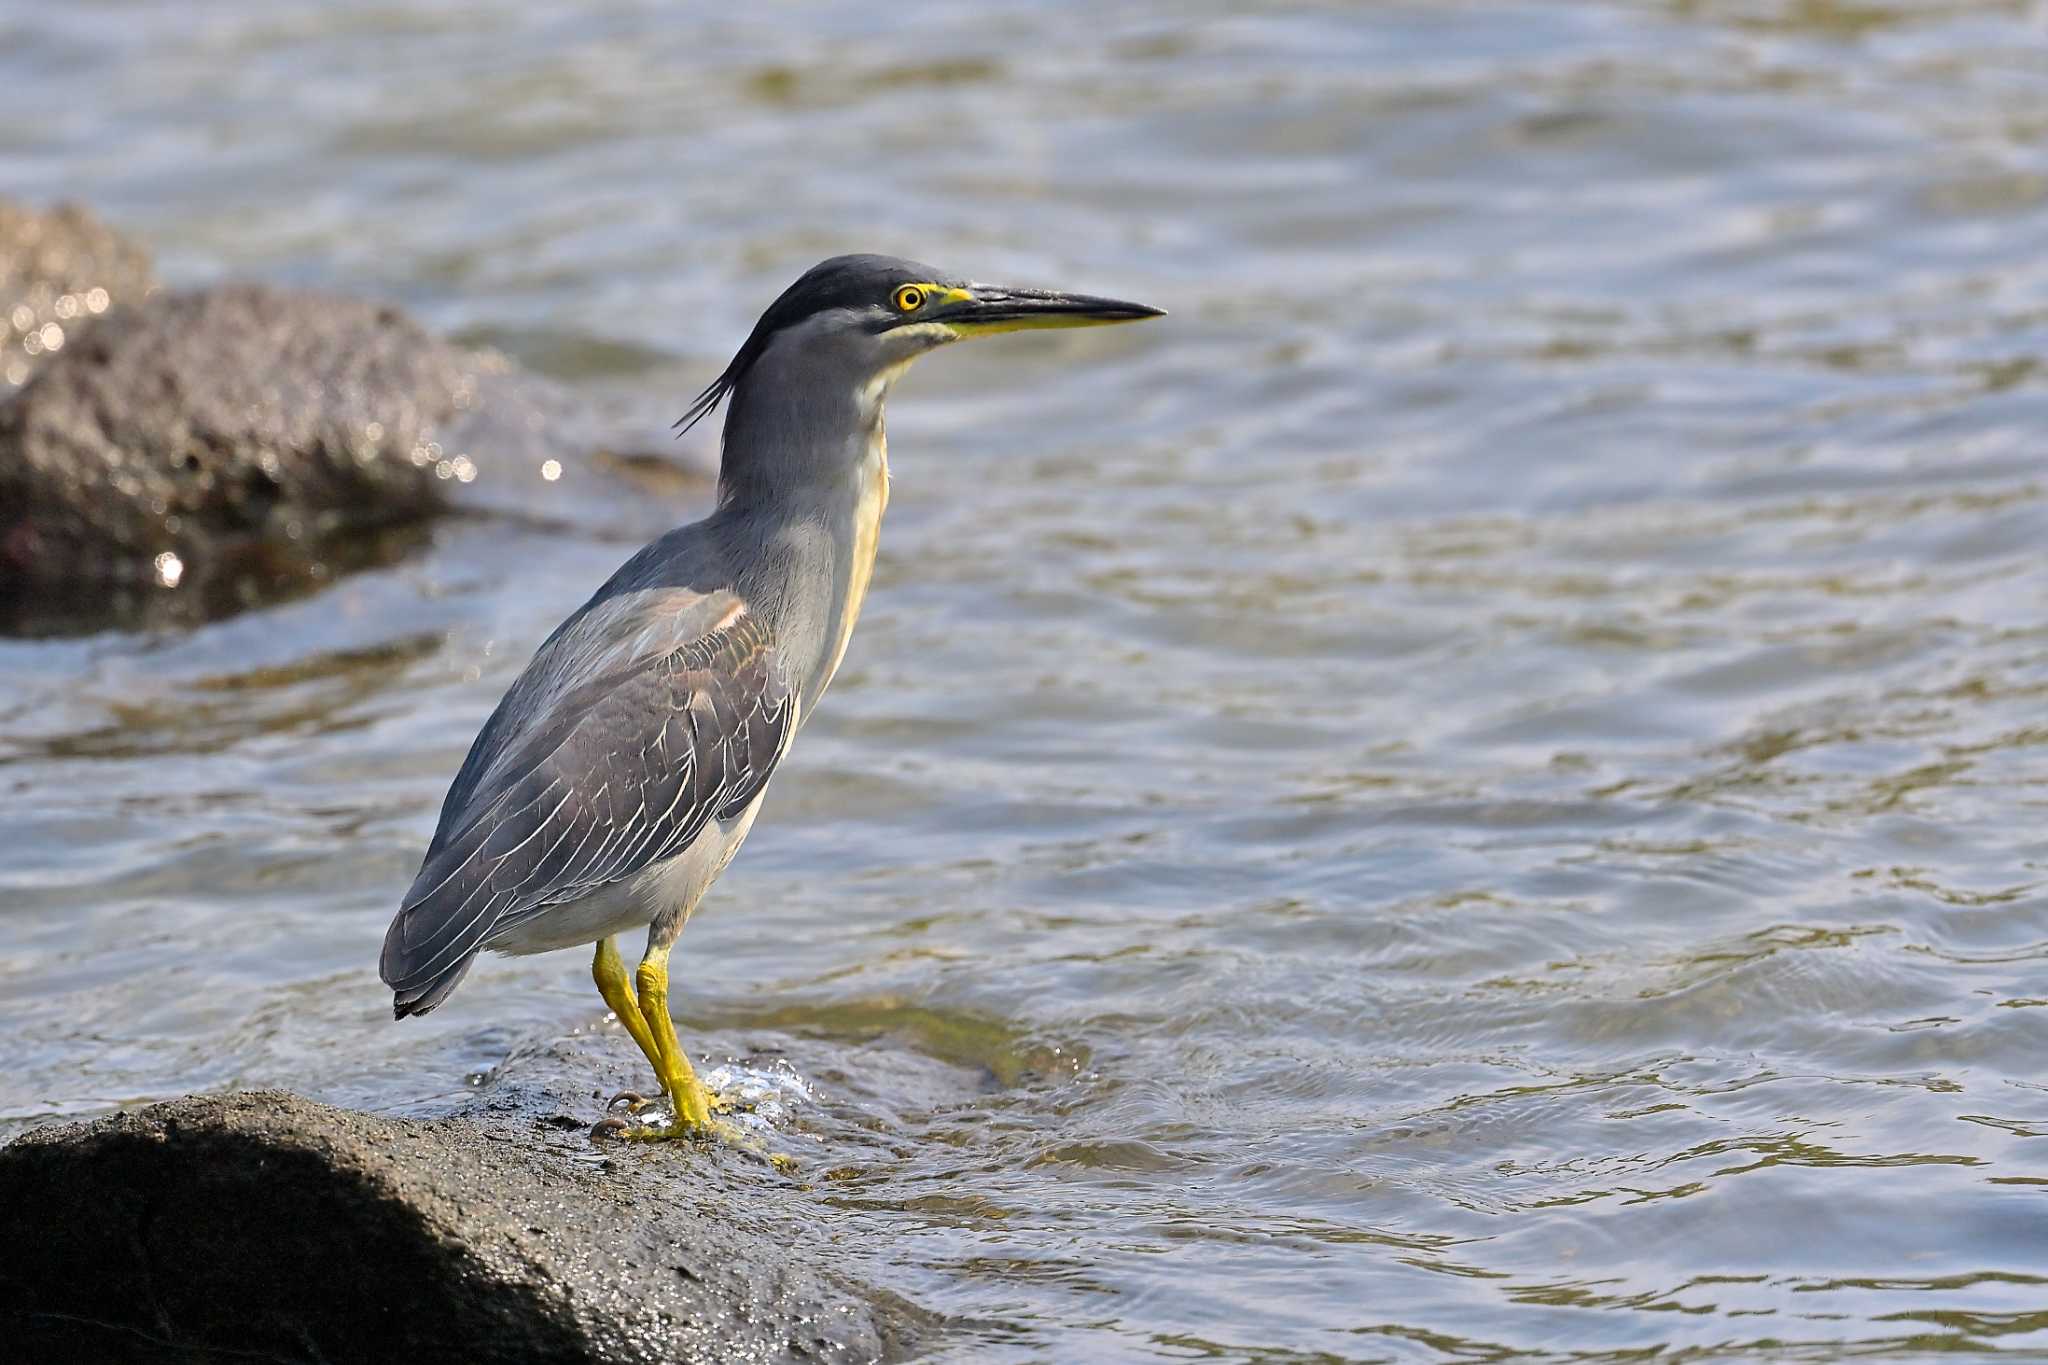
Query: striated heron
[620, 773]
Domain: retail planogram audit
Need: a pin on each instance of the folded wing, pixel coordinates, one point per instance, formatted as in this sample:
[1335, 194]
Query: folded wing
[640, 721]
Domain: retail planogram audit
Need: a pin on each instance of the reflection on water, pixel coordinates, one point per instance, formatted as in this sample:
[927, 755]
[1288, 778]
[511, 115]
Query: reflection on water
[246, 577]
[1473, 793]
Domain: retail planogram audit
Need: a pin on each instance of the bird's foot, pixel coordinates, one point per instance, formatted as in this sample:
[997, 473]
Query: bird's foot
[633, 1102]
[709, 1130]
[676, 1130]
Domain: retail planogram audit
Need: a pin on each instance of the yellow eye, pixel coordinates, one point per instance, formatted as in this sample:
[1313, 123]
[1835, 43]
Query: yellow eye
[909, 299]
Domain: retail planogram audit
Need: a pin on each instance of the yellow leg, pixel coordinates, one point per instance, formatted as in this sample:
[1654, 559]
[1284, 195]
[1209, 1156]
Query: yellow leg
[685, 1091]
[617, 989]
[648, 1020]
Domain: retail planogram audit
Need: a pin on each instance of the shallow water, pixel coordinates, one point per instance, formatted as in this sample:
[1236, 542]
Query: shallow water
[1475, 792]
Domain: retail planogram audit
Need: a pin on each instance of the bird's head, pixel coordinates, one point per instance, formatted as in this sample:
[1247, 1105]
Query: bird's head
[851, 324]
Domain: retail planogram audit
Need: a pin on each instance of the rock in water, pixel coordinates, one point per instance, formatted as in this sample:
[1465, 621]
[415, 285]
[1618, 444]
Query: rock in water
[60, 271]
[242, 443]
[233, 414]
[264, 1226]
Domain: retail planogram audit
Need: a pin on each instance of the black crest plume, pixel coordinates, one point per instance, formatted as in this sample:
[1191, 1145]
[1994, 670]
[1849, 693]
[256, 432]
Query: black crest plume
[841, 282]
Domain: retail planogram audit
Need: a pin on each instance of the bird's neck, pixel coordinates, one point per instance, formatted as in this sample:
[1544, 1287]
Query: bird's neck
[871, 499]
[798, 428]
[807, 466]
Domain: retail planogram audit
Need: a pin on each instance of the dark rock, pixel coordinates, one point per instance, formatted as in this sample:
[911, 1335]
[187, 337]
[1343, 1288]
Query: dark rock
[60, 271]
[249, 432]
[264, 1226]
[225, 414]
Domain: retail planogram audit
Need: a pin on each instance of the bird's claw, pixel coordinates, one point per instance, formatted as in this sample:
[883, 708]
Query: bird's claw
[694, 1120]
[712, 1130]
[633, 1102]
[612, 1127]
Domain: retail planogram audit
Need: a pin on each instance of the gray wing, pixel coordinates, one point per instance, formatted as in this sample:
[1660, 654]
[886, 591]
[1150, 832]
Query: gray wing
[607, 756]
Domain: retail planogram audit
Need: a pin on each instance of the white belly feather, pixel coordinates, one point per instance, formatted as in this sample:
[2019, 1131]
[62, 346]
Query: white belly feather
[635, 902]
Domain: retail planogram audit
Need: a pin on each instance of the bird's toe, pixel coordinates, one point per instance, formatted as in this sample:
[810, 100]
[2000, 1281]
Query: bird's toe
[683, 1130]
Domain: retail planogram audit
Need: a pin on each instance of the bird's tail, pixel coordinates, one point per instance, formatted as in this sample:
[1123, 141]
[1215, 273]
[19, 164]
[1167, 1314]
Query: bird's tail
[421, 996]
[423, 974]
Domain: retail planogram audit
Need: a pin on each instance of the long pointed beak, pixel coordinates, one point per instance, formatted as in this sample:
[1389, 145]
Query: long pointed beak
[981, 310]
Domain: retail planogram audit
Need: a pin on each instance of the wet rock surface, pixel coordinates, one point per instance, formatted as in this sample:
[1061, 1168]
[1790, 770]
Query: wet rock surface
[61, 269]
[266, 1226]
[224, 414]
[233, 439]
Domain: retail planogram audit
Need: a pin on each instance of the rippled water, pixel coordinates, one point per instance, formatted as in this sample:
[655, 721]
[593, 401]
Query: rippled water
[1476, 791]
